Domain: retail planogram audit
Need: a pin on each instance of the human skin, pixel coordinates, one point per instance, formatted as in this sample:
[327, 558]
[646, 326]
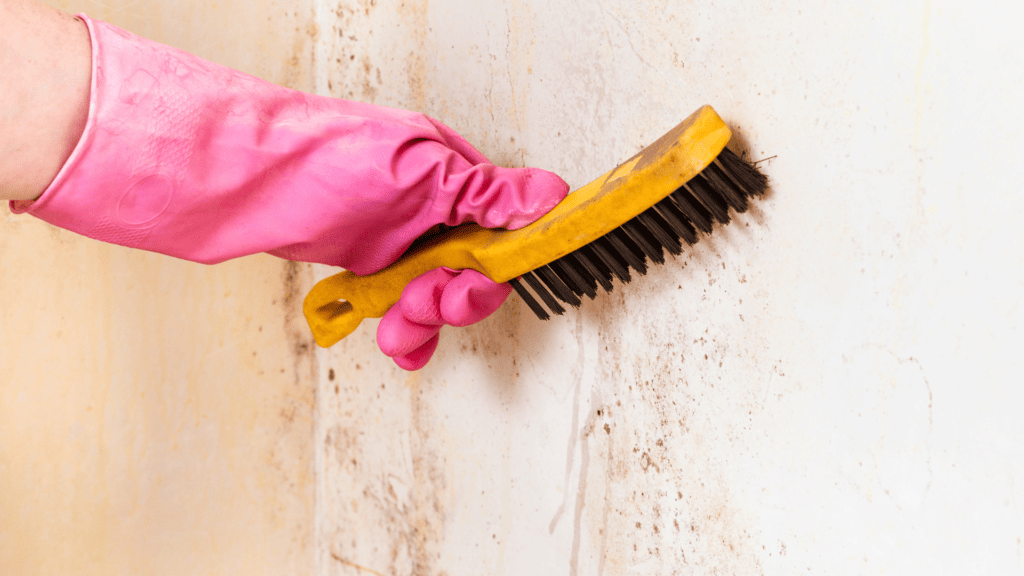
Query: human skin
[45, 55]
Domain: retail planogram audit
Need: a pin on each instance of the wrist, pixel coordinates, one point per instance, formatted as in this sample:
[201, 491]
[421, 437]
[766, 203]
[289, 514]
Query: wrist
[44, 95]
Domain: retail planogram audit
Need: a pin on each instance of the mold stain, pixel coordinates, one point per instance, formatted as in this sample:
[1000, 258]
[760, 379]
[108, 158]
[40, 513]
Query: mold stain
[295, 279]
[387, 481]
[369, 90]
[413, 14]
[667, 499]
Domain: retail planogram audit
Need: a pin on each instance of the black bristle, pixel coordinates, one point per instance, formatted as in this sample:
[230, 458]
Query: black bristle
[598, 271]
[558, 288]
[603, 249]
[749, 180]
[578, 280]
[677, 220]
[644, 239]
[691, 208]
[725, 187]
[541, 291]
[623, 246]
[728, 182]
[705, 194]
[582, 275]
[529, 299]
[566, 280]
[662, 231]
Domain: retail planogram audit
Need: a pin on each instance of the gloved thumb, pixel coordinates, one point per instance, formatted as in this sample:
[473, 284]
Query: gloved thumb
[492, 196]
[496, 197]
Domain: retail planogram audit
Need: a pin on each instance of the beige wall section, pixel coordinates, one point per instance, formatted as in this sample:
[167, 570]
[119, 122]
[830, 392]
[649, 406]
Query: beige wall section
[155, 414]
[829, 385]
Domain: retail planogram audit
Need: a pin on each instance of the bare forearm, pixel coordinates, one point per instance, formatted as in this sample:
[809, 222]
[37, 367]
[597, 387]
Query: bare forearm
[44, 94]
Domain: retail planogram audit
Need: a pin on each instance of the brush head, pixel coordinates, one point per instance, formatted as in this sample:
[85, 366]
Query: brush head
[727, 182]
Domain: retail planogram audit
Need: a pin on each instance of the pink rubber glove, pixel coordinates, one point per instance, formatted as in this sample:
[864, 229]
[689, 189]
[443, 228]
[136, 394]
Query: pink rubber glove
[194, 160]
[409, 332]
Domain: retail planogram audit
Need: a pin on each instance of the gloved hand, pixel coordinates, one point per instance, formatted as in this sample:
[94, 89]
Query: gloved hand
[194, 160]
[409, 331]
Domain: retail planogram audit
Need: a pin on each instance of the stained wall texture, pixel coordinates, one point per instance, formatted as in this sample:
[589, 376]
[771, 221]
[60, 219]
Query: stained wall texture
[156, 416]
[829, 384]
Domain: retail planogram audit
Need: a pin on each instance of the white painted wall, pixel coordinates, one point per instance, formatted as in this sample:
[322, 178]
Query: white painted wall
[831, 384]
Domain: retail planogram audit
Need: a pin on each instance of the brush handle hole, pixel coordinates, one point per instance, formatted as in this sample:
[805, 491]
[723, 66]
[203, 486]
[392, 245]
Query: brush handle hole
[333, 310]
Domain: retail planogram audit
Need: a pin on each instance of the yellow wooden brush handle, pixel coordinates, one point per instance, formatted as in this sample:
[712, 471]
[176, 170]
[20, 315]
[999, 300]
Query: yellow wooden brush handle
[336, 305]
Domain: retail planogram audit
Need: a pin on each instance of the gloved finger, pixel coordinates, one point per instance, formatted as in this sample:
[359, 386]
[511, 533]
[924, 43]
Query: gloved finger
[398, 336]
[419, 357]
[408, 332]
[496, 197]
[421, 298]
[416, 318]
[470, 297]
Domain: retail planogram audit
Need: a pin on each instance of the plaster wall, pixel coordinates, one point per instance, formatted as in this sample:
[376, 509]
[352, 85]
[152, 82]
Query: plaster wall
[830, 384]
[156, 416]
